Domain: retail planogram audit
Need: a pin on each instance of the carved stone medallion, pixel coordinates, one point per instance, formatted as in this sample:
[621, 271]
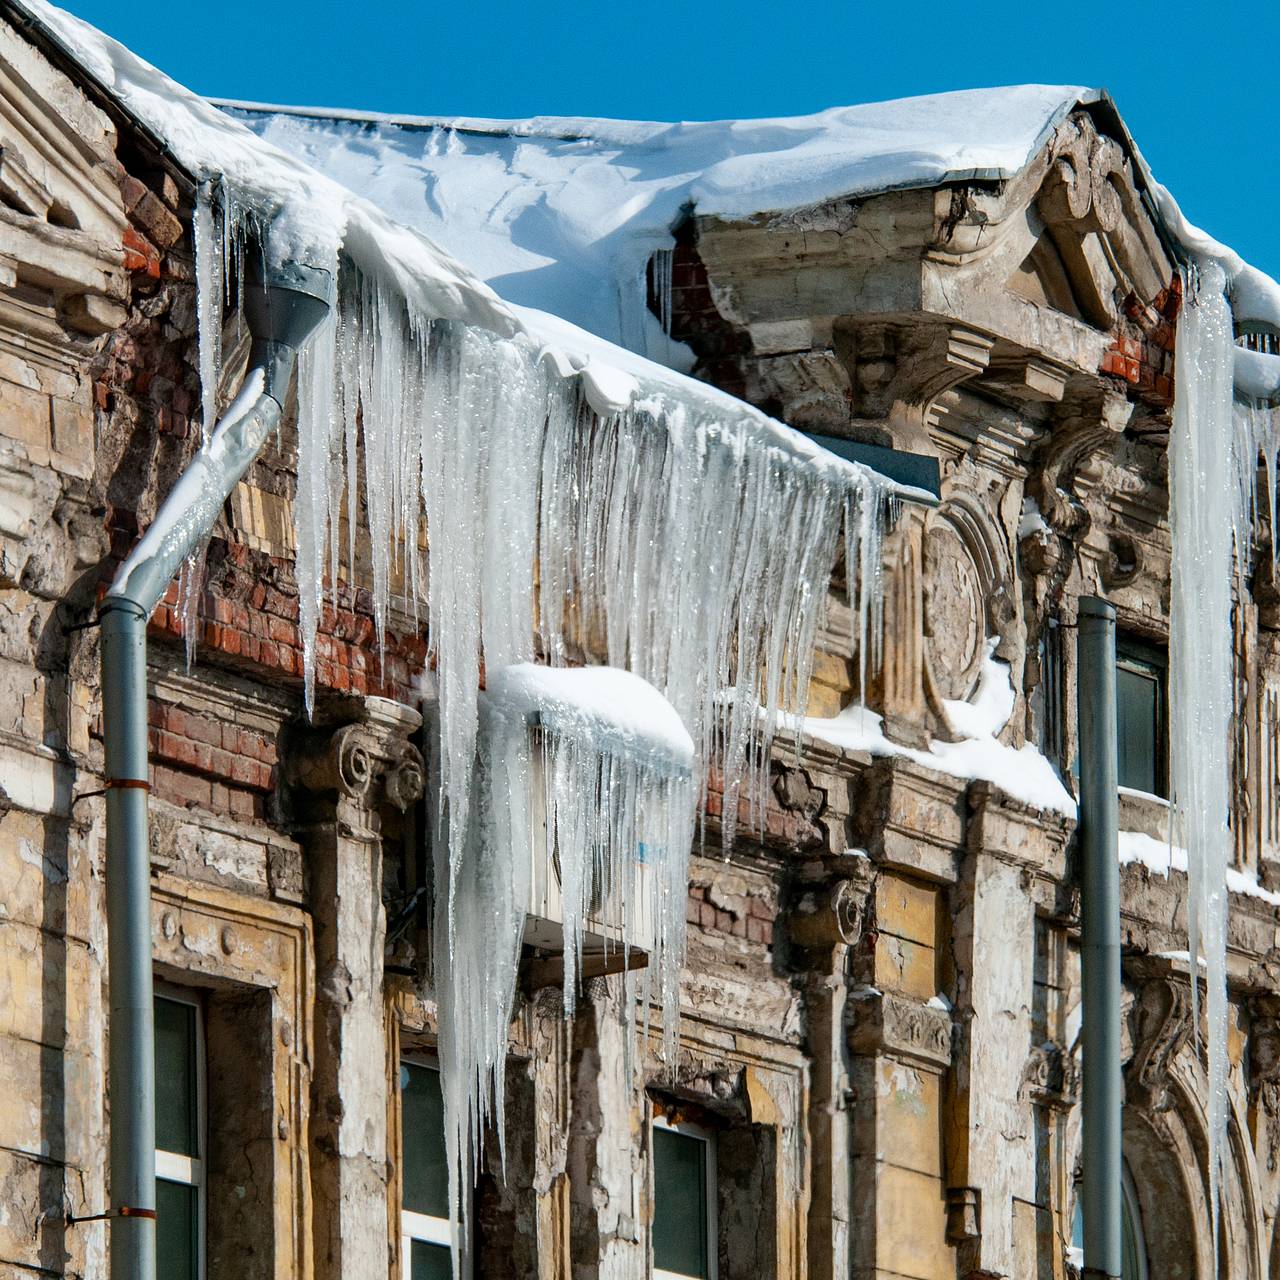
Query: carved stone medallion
[953, 610]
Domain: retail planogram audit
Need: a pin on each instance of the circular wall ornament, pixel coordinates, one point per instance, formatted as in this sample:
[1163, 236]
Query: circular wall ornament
[954, 611]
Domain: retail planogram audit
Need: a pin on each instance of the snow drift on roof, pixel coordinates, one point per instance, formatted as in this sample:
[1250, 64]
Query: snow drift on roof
[307, 214]
[563, 214]
[310, 215]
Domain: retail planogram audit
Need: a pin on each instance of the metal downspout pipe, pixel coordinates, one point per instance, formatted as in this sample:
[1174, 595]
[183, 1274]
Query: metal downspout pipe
[283, 307]
[1100, 939]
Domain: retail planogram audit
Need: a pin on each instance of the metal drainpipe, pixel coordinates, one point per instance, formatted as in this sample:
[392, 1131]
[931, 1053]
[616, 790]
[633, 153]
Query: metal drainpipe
[282, 311]
[1100, 938]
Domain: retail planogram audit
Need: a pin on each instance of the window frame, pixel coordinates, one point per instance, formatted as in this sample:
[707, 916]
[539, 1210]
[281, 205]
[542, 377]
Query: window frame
[423, 1226]
[171, 1166]
[707, 1137]
[1140, 656]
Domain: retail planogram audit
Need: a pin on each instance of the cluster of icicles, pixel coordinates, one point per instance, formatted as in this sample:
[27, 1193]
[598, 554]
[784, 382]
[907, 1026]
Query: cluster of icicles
[1214, 449]
[686, 547]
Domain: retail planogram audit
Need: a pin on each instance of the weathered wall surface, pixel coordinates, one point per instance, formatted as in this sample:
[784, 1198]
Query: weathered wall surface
[880, 1005]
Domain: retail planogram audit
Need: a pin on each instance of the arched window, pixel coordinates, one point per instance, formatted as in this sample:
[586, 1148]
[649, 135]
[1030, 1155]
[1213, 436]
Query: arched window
[1133, 1248]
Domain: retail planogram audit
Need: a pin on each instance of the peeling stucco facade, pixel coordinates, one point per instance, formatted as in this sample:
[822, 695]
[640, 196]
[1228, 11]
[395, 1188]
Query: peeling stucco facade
[880, 1005]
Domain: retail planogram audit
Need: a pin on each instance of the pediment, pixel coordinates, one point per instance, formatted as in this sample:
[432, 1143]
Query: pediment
[62, 219]
[1093, 243]
[1044, 278]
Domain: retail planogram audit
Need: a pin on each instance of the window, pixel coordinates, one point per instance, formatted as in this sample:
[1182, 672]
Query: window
[1141, 677]
[180, 1146]
[1047, 696]
[1133, 1249]
[684, 1201]
[424, 1215]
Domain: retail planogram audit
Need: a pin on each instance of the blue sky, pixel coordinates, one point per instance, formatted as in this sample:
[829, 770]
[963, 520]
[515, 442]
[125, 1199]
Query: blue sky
[1195, 91]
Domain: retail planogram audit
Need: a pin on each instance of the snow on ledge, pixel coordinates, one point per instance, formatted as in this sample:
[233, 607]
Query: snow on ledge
[611, 708]
[1023, 773]
[1160, 858]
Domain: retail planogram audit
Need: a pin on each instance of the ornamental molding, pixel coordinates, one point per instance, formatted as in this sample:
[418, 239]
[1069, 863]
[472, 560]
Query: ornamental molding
[358, 749]
[1068, 457]
[62, 218]
[879, 1022]
[832, 915]
[1160, 1027]
[1051, 1076]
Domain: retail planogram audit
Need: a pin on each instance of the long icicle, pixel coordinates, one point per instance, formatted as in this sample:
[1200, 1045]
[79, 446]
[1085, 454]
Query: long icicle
[1205, 500]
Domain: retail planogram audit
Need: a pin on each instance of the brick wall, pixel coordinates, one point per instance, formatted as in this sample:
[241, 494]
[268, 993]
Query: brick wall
[247, 621]
[1142, 354]
[752, 920]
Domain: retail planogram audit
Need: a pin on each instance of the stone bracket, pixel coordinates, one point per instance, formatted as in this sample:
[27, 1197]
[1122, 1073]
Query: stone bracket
[879, 1022]
[1159, 1028]
[1074, 441]
[1051, 1077]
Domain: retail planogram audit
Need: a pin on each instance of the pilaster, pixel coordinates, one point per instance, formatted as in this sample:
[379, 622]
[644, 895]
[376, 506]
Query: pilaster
[345, 771]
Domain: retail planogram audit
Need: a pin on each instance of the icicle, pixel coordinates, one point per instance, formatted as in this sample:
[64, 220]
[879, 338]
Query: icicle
[319, 462]
[210, 267]
[190, 589]
[1207, 499]
[681, 545]
[663, 267]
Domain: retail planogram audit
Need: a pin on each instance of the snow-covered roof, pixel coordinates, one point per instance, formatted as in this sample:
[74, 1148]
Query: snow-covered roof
[563, 214]
[549, 209]
[311, 216]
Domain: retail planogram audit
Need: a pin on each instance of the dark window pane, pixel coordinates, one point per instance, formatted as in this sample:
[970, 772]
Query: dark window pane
[680, 1203]
[1142, 674]
[429, 1262]
[177, 1231]
[426, 1174]
[1138, 709]
[176, 1077]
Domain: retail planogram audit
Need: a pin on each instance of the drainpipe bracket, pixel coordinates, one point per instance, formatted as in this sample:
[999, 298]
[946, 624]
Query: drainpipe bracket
[124, 1211]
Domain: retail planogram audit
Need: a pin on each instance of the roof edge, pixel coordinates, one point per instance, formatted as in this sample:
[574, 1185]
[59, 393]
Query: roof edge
[51, 45]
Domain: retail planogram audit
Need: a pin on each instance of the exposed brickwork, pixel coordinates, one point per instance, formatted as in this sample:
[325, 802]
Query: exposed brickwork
[146, 377]
[248, 619]
[1142, 353]
[696, 320]
[754, 922]
[789, 828]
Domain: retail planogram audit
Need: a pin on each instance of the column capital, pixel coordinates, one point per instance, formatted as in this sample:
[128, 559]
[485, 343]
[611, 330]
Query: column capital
[360, 749]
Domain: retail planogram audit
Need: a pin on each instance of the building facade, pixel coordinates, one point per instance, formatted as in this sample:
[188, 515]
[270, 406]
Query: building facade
[878, 1066]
